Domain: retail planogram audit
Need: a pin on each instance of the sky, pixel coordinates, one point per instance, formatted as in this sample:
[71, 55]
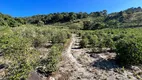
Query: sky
[22, 8]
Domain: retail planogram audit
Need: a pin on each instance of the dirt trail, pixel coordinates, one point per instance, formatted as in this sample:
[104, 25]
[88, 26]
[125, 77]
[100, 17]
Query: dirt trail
[71, 64]
[81, 65]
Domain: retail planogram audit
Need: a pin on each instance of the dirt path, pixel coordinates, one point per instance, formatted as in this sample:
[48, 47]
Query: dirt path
[81, 65]
[71, 64]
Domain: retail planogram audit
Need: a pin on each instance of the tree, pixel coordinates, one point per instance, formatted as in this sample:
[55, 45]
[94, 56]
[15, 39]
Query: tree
[86, 25]
[97, 26]
[85, 15]
[13, 23]
[113, 23]
[20, 20]
[104, 12]
[80, 15]
[95, 14]
[3, 23]
[72, 16]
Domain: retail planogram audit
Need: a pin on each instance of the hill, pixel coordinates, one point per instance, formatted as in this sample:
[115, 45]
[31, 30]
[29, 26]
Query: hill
[72, 46]
[94, 20]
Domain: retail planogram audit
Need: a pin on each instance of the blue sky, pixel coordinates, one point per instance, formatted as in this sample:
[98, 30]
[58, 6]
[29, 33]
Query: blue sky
[22, 8]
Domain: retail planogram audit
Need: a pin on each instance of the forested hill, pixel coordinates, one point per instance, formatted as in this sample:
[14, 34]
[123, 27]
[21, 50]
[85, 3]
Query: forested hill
[131, 17]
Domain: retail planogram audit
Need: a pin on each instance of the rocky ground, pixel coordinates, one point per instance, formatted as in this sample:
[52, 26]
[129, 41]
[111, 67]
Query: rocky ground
[80, 64]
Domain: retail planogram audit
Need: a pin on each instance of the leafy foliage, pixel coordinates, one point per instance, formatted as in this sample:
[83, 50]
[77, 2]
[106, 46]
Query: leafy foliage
[49, 64]
[92, 21]
[129, 52]
[84, 42]
[18, 47]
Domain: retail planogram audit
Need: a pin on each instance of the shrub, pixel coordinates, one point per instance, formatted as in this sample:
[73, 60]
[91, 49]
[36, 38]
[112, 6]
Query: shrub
[109, 43]
[59, 37]
[3, 23]
[93, 40]
[76, 26]
[84, 42]
[86, 25]
[49, 64]
[40, 23]
[129, 52]
[17, 50]
[39, 40]
[118, 37]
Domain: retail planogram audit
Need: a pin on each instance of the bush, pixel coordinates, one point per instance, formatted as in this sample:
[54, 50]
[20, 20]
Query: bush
[39, 40]
[129, 52]
[76, 26]
[40, 23]
[93, 40]
[84, 42]
[109, 43]
[17, 50]
[118, 37]
[49, 64]
[60, 37]
[3, 23]
[86, 25]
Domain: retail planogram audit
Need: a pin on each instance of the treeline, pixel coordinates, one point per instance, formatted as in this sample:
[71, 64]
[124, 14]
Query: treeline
[63, 17]
[131, 17]
[6, 20]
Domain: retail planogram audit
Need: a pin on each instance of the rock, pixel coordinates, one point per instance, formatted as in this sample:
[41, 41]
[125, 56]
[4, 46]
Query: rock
[2, 73]
[51, 78]
[135, 68]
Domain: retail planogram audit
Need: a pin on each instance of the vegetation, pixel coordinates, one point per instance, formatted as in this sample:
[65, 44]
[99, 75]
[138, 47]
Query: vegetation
[18, 49]
[49, 64]
[125, 42]
[20, 39]
[92, 21]
[84, 43]
[129, 52]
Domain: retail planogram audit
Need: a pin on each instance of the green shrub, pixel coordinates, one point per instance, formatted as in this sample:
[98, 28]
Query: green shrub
[129, 52]
[118, 37]
[93, 40]
[17, 50]
[40, 23]
[86, 25]
[76, 26]
[49, 64]
[19, 72]
[2, 22]
[39, 40]
[59, 37]
[84, 42]
[109, 43]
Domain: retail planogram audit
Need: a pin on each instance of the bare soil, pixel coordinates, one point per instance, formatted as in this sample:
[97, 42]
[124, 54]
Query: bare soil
[81, 64]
